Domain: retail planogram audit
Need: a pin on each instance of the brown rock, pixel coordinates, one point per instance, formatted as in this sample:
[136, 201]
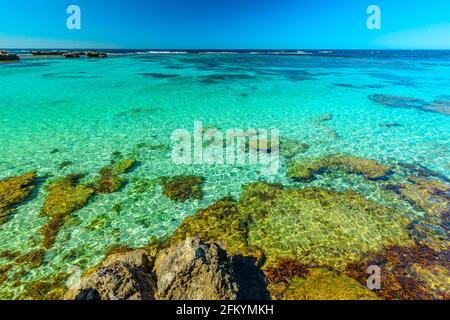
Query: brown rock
[136, 259]
[193, 270]
[118, 281]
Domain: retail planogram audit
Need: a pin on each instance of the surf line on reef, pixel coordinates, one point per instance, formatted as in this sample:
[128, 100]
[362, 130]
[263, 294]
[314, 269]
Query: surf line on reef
[211, 146]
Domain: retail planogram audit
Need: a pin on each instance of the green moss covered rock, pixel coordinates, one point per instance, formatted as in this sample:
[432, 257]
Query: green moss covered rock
[319, 226]
[323, 284]
[65, 196]
[221, 222]
[14, 190]
[306, 170]
[183, 188]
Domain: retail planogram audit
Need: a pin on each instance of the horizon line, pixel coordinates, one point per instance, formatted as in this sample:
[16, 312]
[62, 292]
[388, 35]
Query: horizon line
[220, 49]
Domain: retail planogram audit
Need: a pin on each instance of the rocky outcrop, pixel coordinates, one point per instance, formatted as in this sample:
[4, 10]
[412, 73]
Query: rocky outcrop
[91, 54]
[117, 281]
[47, 53]
[72, 55]
[5, 56]
[188, 270]
[193, 270]
[138, 259]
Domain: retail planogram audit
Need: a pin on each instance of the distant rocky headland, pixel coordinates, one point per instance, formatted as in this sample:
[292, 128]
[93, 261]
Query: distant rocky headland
[71, 54]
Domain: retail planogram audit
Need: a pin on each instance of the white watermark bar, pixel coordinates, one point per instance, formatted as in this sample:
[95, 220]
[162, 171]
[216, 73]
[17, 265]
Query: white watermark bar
[233, 147]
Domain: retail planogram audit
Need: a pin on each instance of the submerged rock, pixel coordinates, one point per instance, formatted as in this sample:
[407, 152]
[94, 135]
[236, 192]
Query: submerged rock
[439, 105]
[318, 226]
[182, 188]
[291, 148]
[262, 144]
[306, 170]
[431, 196]
[110, 180]
[32, 259]
[324, 284]
[48, 288]
[408, 272]
[193, 270]
[14, 190]
[397, 101]
[326, 117]
[220, 222]
[65, 196]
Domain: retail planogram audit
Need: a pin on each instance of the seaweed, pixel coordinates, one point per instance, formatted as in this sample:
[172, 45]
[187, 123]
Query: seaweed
[431, 196]
[110, 180]
[4, 269]
[182, 188]
[306, 170]
[33, 259]
[220, 222]
[318, 226]
[415, 272]
[65, 196]
[9, 255]
[51, 288]
[285, 270]
[324, 284]
[13, 191]
[291, 148]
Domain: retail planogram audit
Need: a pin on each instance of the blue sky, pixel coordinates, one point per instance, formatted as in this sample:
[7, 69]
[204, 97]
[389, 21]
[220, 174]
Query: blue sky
[226, 24]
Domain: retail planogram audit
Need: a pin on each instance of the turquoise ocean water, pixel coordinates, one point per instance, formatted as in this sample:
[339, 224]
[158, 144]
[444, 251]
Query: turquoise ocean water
[88, 109]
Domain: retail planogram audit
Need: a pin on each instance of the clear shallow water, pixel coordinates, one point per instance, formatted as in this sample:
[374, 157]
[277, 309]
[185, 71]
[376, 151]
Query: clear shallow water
[89, 109]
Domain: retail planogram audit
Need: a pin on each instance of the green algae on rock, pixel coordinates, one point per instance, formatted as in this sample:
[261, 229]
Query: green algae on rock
[431, 196]
[306, 170]
[65, 196]
[285, 270]
[110, 180]
[32, 259]
[321, 227]
[4, 269]
[291, 148]
[324, 284]
[50, 288]
[221, 222]
[14, 190]
[182, 188]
